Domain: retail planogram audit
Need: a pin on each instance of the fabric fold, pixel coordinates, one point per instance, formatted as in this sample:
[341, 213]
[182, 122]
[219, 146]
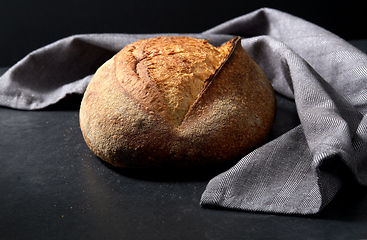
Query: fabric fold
[320, 131]
[303, 184]
[305, 67]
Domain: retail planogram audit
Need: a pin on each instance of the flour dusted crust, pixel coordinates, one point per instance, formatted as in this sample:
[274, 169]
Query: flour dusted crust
[177, 101]
[180, 68]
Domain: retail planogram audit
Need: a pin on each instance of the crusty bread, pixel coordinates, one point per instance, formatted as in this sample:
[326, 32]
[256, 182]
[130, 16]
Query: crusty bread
[177, 101]
[179, 67]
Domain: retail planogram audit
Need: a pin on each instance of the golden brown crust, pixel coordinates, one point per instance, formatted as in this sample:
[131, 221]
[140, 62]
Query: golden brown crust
[125, 119]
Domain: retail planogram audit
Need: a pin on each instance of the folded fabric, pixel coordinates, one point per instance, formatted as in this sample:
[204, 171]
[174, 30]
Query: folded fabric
[320, 131]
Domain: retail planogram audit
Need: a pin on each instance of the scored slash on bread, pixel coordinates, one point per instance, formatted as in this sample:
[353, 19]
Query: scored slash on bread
[177, 101]
[178, 67]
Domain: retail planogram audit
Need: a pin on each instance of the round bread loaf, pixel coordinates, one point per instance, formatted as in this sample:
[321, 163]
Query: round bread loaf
[177, 101]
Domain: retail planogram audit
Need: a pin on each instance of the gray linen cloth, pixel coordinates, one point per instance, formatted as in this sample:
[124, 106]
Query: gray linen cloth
[320, 132]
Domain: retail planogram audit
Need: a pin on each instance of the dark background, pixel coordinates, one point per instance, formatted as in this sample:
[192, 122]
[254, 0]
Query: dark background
[26, 25]
[53, 187]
